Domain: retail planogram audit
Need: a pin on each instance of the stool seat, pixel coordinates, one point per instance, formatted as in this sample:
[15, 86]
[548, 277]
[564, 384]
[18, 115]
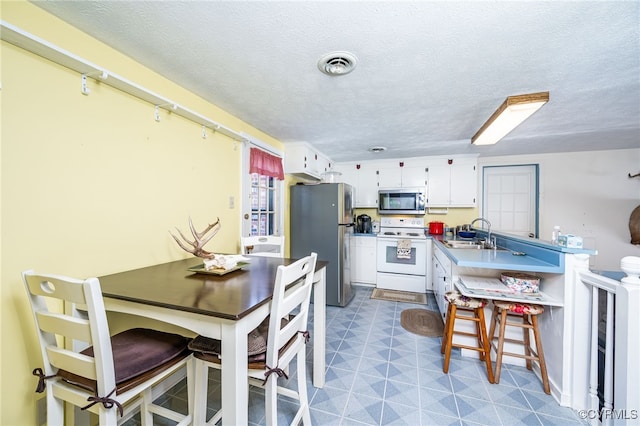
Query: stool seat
[462, 301]
[527, 320]
[519, 308]
[466, 309]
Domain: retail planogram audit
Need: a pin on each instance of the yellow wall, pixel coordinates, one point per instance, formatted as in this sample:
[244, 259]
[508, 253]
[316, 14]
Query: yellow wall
[92, 184]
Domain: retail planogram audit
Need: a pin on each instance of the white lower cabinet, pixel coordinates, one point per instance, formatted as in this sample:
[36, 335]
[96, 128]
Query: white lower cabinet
[363, 259]
[442, 276]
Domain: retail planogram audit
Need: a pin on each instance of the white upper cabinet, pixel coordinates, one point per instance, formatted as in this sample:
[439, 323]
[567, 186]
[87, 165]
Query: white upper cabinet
[464, 185]
[302, 161]
[323, 164]
[452, 182]
[364, 179]
[367, 193]
[447, 184]
[414, 175]
[402, 174]
[390, 176]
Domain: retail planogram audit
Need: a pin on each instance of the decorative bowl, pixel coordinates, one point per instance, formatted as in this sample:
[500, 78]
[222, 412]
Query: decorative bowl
[521, 282]
[466, 234]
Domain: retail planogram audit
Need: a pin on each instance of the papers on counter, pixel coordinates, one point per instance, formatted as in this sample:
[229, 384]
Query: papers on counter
[224, 261]
[485, 284]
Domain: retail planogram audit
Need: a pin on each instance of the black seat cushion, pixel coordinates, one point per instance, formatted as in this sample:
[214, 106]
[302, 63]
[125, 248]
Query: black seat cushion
[135, 352]
[256, 342]
[211, 349]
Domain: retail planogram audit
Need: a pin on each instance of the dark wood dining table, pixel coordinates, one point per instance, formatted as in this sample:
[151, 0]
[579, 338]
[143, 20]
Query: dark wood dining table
[225, 307]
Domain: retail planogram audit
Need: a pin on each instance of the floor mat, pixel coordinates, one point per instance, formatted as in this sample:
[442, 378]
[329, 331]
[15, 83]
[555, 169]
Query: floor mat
[399, 296]
[422, 321]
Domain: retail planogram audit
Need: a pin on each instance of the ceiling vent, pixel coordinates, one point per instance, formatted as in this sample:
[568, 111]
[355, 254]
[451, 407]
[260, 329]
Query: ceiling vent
[377, 149]
[337, 63]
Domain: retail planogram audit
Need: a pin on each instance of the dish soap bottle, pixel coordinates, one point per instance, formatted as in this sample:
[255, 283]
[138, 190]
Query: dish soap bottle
[555, 234]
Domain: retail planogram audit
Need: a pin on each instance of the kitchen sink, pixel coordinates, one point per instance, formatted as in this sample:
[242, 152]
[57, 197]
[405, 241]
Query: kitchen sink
[474, 245]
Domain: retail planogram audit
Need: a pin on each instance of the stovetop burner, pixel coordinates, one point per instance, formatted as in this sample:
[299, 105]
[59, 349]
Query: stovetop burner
[403, 233]
[401, 227]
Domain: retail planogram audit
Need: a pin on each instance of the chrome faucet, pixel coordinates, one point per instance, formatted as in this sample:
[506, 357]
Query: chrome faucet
[489, 243]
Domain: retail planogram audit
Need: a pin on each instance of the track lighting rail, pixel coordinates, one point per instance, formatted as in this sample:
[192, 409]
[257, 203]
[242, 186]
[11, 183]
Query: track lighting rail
[87, 69]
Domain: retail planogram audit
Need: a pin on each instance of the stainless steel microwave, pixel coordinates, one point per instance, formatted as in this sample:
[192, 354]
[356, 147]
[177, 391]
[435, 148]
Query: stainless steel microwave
[401, 201]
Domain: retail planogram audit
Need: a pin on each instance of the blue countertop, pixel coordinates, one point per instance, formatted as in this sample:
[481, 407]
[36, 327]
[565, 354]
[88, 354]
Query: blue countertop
[500, 259]
[540, 255]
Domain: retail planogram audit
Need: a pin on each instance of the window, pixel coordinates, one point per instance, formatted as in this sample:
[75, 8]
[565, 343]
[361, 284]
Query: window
[264, 205]
[263, 186]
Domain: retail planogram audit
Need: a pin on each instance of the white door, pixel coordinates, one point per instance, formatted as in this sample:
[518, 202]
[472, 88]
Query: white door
[510, 199]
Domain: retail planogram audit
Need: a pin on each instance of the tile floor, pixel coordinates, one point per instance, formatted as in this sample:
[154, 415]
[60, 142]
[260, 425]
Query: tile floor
[380, 374]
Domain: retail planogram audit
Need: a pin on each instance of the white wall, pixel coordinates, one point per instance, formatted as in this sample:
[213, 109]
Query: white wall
[588, 194]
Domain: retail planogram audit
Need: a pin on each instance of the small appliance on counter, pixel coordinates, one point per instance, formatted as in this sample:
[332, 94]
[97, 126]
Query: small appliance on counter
[436, 228]
[363, 224]
[375, 226]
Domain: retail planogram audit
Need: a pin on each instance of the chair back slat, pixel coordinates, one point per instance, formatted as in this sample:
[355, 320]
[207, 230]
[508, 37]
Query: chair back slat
[263, 245]
[72, 327]
[73, 362]
[296, 323]
[284, 303]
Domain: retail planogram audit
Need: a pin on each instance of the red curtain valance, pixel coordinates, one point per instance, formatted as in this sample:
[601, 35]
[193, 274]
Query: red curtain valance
[266, 164]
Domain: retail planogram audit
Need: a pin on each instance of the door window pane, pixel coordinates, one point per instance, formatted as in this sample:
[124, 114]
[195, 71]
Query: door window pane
[264, 198]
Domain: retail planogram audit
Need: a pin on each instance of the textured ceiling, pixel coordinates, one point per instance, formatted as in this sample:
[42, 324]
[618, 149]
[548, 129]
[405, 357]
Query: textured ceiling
[429, 74]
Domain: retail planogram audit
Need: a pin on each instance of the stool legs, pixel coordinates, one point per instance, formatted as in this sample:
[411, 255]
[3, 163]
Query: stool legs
[543, 364]
[481, 335]
[527, 341]
[500, 348]
[447, 339]
[485, 354]
[529, 322]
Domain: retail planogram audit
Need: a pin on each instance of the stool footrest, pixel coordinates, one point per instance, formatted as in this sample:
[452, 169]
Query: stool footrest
[509, 340]
[473, 348]
[534, 356]
[464, 333]
[519, 324]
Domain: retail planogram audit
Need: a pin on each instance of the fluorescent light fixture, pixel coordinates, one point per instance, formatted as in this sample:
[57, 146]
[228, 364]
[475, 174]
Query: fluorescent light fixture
[513, 111]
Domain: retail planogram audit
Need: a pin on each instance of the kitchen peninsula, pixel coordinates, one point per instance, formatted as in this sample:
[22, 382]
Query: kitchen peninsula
[564, 323]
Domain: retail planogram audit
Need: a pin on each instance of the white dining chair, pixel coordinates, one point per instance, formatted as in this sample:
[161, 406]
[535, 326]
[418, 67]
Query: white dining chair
[263, 245]
[113, 376]
[283, 335]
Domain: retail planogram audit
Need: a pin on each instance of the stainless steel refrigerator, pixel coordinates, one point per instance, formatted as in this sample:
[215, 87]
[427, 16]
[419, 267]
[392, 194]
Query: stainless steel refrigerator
[321, 221]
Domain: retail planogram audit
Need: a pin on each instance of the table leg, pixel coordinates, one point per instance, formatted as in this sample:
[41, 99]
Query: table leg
[235, 386]
[319, 330]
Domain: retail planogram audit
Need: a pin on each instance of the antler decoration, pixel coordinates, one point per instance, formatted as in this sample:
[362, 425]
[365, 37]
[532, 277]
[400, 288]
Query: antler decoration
[200, 239]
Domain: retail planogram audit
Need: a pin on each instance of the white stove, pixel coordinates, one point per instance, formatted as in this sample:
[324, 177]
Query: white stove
[401, 227]
[402, 252]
